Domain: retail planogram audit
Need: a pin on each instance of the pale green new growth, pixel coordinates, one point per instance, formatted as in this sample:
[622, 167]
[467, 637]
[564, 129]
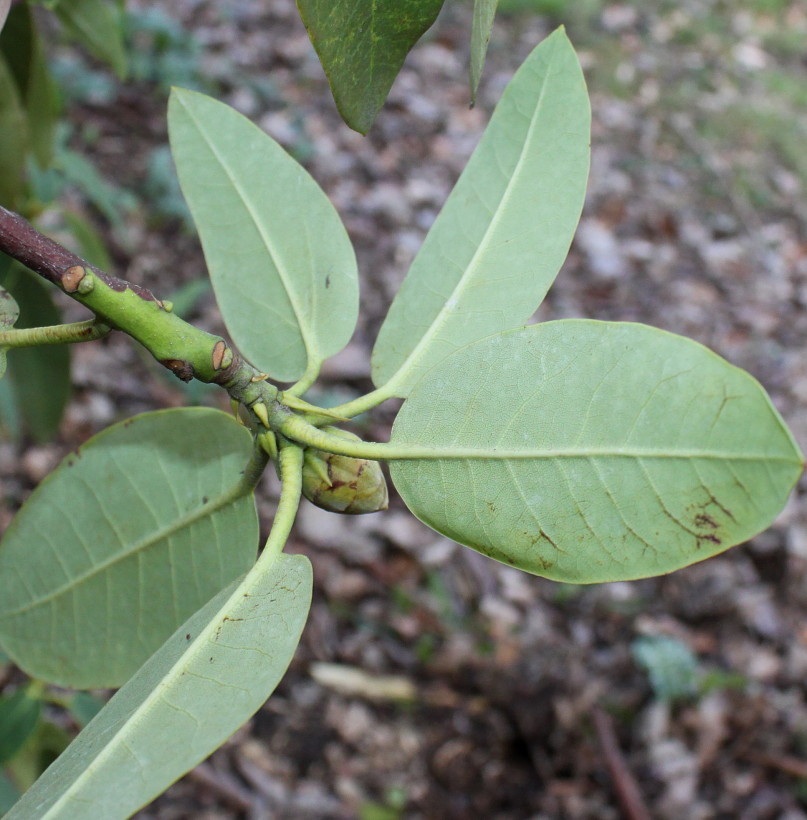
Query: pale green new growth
[593, 451]
[122, 542]
[504, 232]
[281, 263]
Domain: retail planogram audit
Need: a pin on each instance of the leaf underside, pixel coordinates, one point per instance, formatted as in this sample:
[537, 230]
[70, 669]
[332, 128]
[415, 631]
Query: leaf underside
[121, 543]
[592, 451]
[280, 260]
[205, 682]
[501, 238]
[362, 47]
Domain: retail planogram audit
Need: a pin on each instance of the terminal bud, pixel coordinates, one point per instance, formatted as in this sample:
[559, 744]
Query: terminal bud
[343, 484]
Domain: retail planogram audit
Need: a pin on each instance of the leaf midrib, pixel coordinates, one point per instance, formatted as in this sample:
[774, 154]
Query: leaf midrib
[285, 278]
[406, 452]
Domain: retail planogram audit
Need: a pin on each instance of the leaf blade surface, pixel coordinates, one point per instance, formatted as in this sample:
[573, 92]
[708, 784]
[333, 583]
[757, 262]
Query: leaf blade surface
[127, 537]
[362, 47]
[593, 451]
[207, 679]
[504, 231]
[280, 260]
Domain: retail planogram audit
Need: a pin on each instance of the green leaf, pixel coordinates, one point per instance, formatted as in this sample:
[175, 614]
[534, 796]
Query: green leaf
[282, 266]
[42, 748]
[9, 793]
[205, 682]
[593, 451]
[671, 666]
[504, 232]
[40, 376]
[128, 536]
[482, 25]
[87, 242]
[97, 25]
[111, 200]
[13, 139]
[19, 717]
[362, 47]
[24, 50]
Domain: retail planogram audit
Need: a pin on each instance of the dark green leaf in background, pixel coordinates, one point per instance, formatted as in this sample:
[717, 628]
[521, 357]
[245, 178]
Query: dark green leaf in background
[40, 376]
[97, 25]
[23, 49]
[13, 139]
[362, 46]
[127, 537]
[19, 716]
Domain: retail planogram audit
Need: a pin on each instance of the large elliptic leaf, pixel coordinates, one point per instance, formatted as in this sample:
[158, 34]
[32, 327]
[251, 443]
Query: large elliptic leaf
[484, 12]
[591, 451]
[203, 684]
[504, 232]
[362, 47]
[128, 536]
[282, 266]
[40, 376]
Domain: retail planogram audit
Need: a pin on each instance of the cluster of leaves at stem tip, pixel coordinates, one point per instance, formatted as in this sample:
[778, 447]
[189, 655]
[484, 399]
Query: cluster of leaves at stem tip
[579, 450]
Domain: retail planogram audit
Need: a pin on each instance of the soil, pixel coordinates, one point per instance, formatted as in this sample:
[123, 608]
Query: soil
[432, 682]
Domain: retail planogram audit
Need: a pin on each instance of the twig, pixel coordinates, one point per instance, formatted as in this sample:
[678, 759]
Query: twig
[225, 786]
[188, 352]
[625, 786]
[794, 766]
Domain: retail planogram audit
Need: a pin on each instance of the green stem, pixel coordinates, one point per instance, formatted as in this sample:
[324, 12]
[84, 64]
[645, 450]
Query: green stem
[252, 472]
[298, 429]
[363, 403]
[307, 379]
[291, 474]
[86, 331]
